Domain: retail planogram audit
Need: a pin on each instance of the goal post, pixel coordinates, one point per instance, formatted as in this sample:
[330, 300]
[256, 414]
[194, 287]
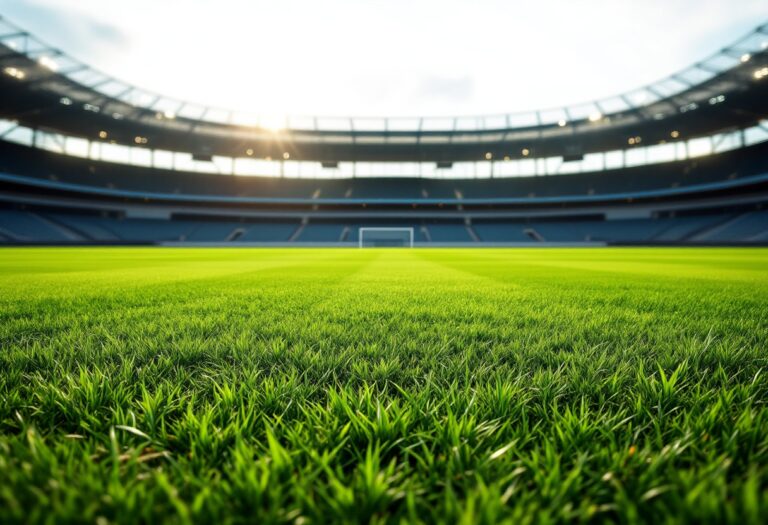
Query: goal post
[369, 237]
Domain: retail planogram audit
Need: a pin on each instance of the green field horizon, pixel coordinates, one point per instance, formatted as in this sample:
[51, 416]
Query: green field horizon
[189, 385]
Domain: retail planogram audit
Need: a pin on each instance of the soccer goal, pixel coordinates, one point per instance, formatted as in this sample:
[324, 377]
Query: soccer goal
[385, 237]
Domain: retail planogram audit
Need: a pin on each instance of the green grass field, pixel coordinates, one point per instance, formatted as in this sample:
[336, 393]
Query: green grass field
[307, 386]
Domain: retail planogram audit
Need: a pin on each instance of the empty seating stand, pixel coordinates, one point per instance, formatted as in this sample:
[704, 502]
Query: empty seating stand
[41, 227]
[25, 226]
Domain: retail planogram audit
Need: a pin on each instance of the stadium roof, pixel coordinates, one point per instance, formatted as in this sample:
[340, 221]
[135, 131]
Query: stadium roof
[46, 88]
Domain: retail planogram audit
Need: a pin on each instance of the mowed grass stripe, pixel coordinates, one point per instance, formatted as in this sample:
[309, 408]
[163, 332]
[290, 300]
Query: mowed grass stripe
[141, 267]
[304, 386]
[707, 264]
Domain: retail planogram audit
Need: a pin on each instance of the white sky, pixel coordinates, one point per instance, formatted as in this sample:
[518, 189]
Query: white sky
[388, 57]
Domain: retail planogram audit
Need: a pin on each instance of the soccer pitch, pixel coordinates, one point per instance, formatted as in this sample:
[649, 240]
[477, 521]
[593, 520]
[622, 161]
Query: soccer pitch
[387, 385]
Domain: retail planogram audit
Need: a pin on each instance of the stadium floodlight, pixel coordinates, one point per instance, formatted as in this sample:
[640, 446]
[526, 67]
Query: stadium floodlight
[48, 62]
[16, 73]
[385, 237]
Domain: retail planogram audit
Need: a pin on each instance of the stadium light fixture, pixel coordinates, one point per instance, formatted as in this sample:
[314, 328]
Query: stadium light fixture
[48, 63]
[594, 117]
[103, 134]
[526, 152]
[488, 156]
[249, 152]
[562, 122]
[286, 155]
[745, 57]
[674, 134]
[14, 72]
[716, 100]
[761, 73]
[631, 141]
[65, 101]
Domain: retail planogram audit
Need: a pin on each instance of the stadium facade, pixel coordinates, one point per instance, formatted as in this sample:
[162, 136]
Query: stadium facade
[85, 158]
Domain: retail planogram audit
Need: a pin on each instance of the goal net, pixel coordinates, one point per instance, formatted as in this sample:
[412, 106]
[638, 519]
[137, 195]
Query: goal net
[385, 237]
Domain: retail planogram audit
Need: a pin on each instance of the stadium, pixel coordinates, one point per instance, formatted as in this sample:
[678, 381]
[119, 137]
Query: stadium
[89, 159]
[194, 329]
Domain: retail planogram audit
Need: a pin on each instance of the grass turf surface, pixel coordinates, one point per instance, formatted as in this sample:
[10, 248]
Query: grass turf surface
[302, 386]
